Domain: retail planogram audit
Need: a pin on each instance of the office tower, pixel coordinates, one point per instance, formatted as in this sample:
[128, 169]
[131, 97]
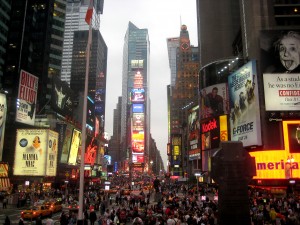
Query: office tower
[181, 96]
[97, 72]
[135, 127]
[75, 21]
[172, 45]
[5, 17]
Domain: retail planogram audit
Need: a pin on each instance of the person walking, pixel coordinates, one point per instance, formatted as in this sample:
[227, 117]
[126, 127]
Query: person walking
[7, 220]
[93, 217]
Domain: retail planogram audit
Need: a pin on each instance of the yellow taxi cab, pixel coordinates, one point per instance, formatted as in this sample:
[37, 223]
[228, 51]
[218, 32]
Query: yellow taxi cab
[54, 206]
[35, 212]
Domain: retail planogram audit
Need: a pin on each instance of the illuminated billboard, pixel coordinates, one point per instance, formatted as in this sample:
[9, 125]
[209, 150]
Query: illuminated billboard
[137, 140]
[244, 105]
[52, 153]
[61, 97]
[137, 95]
[74, 147]
[282, 91]
[137, 108]
[138, 80]
[137, 64]
[66, 143]
[213, 131]
[34, 152]
[138, 121]
[194, 130]
[280, 164]
[3, 111]
[27, 94]
[137, 158]
[214, 101]
[91, 150]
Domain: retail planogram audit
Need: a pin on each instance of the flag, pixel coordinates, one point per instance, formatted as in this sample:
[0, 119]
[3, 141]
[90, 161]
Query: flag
[89, 13]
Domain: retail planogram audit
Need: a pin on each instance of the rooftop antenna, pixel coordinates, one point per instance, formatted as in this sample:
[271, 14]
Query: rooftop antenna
[180, 21]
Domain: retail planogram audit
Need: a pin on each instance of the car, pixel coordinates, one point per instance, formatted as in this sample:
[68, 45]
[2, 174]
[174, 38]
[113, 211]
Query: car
[54, 206]
[126, 191]
[36, 212]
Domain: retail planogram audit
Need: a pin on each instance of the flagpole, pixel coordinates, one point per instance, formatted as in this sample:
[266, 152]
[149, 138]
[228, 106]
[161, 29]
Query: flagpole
[83, 133]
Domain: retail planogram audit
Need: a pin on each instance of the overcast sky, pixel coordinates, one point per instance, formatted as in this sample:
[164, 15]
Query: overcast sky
[163, 19]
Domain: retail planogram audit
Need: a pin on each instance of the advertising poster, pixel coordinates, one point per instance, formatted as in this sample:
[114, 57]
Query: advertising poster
[137, 95]
[74, 147]
[138, 80]
[52, 153]
[137, 158]
[3, 109]
[244, 105]
[282, 91]
[214, 101]
[194, 133]
[137, 142]
[31, 152]
[26, 102]
[138, 121]
[61, 130]
[137, 108]
[280, 51]
[91, 150]
[66, 144]
[61, 97]
[291, 131]
[210, 134]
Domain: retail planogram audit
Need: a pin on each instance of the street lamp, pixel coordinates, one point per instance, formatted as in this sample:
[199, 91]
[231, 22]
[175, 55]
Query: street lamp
[151, 163]
[290, 160]
[197, 175]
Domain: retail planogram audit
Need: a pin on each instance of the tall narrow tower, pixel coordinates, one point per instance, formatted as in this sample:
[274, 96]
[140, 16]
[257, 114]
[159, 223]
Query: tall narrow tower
[135, 126]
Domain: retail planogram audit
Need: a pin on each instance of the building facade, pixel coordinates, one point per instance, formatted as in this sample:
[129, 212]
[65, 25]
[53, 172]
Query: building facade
[245, 63]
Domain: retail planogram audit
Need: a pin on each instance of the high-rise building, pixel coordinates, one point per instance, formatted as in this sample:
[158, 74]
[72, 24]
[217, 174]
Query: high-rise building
[5, 16]
[251, 37]
[183, 94]
[135, 127]
[75, 21]
[172, 45]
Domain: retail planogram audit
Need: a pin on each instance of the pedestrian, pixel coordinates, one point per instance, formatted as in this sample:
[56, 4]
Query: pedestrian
[5, 200]
[63, 219]
[7, 220]
[93, 217]
[21, 221]
[49, 221]
[38, 221]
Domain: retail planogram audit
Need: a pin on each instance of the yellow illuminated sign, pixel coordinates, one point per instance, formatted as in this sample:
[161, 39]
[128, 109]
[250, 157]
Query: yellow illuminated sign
[278, 164]
[176, 150]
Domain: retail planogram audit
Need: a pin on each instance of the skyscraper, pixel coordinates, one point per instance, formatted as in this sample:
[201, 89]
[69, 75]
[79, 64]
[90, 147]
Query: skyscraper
[182, 94]
[135, 127]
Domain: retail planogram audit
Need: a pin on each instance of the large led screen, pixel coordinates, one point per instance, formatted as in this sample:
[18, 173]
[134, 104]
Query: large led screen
[137, 95]
[27, 94]
[66, 144]
[138, 121]
[91, 150]
[62, 97]
[244, 105]
[214, 101]
[33, 154]
[137, 139]
[137, 108]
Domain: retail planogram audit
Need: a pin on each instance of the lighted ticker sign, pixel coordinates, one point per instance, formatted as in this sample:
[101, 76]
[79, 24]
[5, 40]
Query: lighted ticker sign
[279, 164]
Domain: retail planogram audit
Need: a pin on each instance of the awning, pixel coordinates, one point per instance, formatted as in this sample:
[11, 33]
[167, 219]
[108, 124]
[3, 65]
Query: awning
[4, 183]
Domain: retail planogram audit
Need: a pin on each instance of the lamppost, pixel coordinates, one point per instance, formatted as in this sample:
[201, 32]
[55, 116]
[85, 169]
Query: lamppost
[290, 160]
[151, 163]
[197, 175]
